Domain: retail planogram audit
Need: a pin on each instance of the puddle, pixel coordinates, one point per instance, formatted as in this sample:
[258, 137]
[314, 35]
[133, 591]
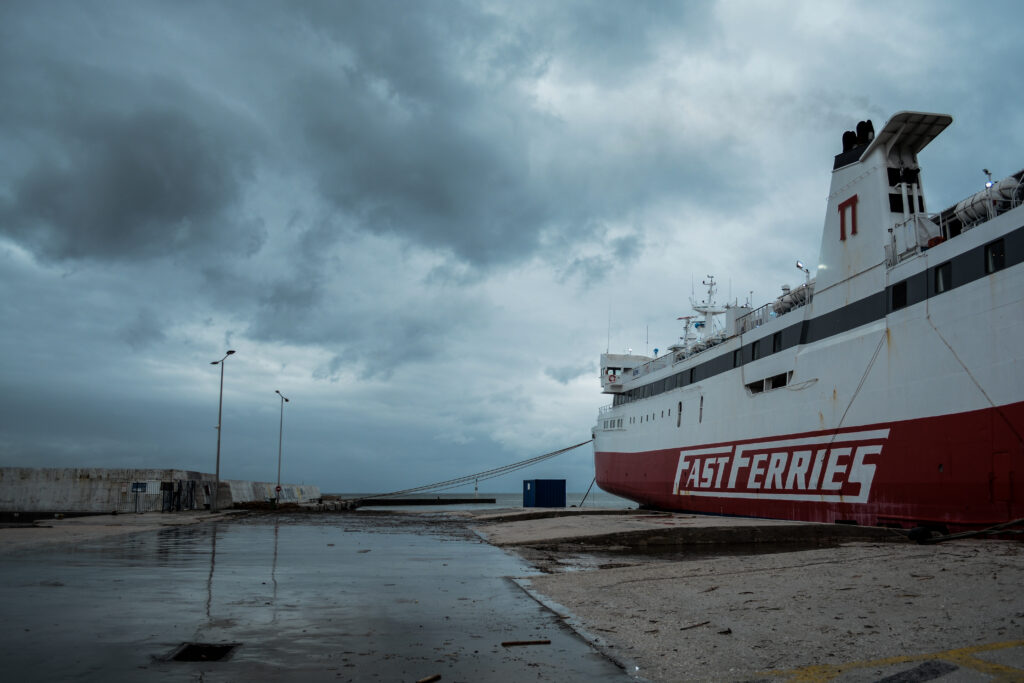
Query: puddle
[303, 595]
[576, 558]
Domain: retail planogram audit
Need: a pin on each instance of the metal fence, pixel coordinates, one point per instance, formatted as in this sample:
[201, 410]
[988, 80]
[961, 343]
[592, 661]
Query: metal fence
[165, 496]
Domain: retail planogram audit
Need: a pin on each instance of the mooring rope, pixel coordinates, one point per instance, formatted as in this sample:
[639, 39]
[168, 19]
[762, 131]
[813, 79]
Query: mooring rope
[486, 474]
[998, 529]
[588, 491]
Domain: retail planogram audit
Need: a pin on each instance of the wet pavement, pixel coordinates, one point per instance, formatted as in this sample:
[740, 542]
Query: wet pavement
[357, 597]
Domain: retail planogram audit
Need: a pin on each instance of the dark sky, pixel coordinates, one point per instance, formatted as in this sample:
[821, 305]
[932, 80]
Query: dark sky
[422, 221]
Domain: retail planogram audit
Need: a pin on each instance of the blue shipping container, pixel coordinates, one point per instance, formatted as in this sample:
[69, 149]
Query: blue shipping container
[544, 493]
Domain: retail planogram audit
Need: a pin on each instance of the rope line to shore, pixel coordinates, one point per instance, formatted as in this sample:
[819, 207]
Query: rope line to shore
[479, 476]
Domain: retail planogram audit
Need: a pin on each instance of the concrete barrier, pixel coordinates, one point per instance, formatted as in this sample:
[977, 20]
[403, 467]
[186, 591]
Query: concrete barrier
[105, 490]
[255, 491]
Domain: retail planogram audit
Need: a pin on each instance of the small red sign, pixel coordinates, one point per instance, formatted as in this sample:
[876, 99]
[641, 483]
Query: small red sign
[278, 489]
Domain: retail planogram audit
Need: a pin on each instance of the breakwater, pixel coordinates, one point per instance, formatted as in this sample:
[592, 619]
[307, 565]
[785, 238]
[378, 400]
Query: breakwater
[103, 490]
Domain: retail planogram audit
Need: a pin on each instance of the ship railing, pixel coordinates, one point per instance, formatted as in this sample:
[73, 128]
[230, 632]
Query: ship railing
[797, 298]
[756, 318]
[604, 410]
[651, 366]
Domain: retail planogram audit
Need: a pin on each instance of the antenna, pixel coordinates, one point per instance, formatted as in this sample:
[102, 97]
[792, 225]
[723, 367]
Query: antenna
[607, 349]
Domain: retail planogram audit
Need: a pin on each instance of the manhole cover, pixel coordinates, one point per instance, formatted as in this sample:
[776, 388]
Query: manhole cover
[203, 652]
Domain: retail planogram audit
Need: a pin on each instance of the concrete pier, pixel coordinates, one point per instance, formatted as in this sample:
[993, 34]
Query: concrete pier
[691, 598]
[420, 502]
[410, 595]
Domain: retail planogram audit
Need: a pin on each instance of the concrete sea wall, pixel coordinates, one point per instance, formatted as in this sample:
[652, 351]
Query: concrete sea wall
[84, 490]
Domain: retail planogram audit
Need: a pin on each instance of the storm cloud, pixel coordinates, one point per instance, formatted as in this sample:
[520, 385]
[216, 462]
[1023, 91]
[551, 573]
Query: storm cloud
[421, 221]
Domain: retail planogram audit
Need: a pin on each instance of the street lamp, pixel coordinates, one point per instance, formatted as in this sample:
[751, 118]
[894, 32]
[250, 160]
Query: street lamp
[220, 406]
[280, 436]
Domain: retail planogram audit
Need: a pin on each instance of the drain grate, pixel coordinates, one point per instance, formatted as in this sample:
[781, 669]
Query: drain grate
[203, 652]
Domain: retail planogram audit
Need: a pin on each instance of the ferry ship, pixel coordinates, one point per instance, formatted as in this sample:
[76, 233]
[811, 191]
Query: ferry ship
[886, 389]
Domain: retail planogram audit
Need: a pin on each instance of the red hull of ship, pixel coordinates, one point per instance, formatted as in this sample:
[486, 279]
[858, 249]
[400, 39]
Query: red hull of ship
[957, 471]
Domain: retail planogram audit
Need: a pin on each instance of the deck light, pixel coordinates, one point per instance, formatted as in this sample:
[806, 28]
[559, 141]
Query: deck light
[988, 183]
[807, 273]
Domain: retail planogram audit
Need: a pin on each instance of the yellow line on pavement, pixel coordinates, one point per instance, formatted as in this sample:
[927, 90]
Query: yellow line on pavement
[963, 657]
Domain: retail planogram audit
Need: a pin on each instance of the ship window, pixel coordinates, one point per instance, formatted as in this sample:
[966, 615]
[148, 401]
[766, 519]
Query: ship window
[943, 277]
[995, 256]
[777, 381]
[619, 422]
[896, 203]
[663, 413]
[700, 415]
[679, 414]
[776, 342]
[755, 350]
[756, 387]
[899, 295]
[736, 358]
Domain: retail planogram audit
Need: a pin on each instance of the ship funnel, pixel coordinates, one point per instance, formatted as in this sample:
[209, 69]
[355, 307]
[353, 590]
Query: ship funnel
[875, 186]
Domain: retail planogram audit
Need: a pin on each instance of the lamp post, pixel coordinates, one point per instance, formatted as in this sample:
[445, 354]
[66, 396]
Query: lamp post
[220, 407]
[280, 437]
